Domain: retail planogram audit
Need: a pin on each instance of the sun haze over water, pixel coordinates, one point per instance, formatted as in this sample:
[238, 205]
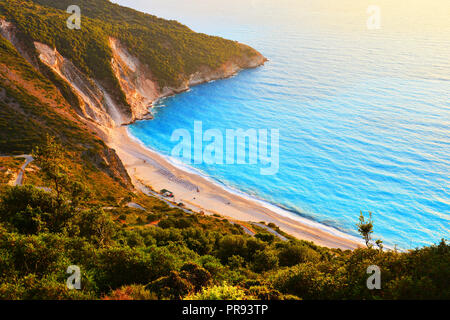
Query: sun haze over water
[413, 16]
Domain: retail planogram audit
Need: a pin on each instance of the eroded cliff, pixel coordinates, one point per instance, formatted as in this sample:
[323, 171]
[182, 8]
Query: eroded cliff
[141, 87]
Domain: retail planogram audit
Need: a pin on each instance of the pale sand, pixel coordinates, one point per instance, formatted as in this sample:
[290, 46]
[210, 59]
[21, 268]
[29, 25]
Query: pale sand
[151, 169]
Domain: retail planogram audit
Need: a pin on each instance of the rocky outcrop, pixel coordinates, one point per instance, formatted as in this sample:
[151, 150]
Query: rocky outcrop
[96, 104]
[142, 89]
[10, 33]
[135, 79]
[228, 69]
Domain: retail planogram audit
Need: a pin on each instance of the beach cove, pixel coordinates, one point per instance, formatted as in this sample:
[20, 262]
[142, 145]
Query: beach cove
[147, 167]
[362, 116]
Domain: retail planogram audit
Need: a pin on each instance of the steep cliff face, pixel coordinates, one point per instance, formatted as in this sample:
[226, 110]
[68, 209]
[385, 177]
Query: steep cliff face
[136, 80]
[96, 104]
[32, 107]
[142, 89]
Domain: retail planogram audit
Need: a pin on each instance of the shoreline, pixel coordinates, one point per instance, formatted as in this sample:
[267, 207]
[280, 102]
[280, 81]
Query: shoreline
[199, 193]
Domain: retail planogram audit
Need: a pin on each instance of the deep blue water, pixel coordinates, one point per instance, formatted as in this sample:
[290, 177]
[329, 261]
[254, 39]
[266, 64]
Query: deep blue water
[364, 119]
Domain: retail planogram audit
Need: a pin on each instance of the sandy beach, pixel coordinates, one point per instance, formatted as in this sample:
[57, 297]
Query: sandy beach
[200, 194]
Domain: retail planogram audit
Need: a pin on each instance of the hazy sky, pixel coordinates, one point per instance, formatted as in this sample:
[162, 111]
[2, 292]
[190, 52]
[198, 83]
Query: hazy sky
[416, 16]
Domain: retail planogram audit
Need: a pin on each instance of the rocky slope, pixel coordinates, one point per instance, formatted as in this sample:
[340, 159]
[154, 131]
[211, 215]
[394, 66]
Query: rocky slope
[96, 104]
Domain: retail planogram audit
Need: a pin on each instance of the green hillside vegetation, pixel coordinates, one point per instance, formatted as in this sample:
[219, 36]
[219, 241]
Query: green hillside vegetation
[31, 106]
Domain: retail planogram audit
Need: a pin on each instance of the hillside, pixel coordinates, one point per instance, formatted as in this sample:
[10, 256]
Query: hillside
[32, 107]
[77, 206]
[142, 247]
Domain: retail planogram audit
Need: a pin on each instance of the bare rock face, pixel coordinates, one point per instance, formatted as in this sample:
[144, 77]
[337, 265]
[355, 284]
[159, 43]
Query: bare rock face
[135, 79]
[142, 90]
[97, 104]
[10, 33]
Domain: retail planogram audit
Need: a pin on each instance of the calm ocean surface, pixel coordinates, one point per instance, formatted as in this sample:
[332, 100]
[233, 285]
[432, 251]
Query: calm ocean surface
[364, 116]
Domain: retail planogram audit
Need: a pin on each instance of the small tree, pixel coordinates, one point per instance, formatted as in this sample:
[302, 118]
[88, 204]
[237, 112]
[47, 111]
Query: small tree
[50, 158]
[365, 228]
[379, 244]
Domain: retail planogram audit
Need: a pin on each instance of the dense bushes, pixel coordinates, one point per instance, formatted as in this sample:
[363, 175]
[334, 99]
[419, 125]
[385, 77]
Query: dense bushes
[29, 210]
[306, 281]
[164, 263]
[186, 257]
[132, 292]
[222, 292]
[291, 254]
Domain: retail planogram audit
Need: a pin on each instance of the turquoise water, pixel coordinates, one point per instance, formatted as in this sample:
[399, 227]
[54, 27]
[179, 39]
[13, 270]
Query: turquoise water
[364, 117]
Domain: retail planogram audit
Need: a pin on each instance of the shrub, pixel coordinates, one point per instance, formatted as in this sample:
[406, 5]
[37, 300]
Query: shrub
[292, 253]
[172, 286]
[264, 261]
[230, 246]
[153, 217]
[195, 274]
[97, 226]
[266, 237]
[132, 292]
[265, 293]
[30, 210]
[236, 262]
[222, 292]
[305, 281]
